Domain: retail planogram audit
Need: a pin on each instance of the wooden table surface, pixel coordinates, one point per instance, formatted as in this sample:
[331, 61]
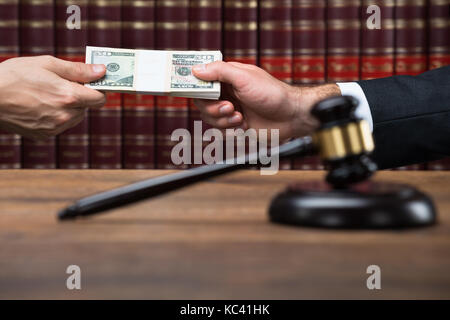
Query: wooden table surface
[212, 240]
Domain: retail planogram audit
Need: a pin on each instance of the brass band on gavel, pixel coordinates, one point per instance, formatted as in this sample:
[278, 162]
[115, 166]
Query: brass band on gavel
[337, 142]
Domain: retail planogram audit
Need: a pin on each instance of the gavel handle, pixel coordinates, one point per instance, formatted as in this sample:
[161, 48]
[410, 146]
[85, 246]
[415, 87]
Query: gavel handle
[163, 184]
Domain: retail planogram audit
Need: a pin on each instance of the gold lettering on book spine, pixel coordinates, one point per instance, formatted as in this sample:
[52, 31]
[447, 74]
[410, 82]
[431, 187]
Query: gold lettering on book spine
[205, 25]
[9, 23]
[416, 3]
[172, 3]
[240, 4]
[276, 25]
[410, 24]
[105, 3]
[308, 3]
[205, 3]
[241, 26]
[343, 3]
[9, 2]
[370, 67]
[138, 3]
[138, 25]
[81, 3]
[172, 25]
[269, 4]
[104, 24]
[37, 24]
[37, 2]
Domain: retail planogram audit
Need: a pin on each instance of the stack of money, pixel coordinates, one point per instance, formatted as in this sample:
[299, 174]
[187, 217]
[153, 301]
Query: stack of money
[155, 72]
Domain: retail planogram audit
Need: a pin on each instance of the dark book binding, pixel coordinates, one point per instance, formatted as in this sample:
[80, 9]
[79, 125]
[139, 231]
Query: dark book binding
[343, 40]
[172, 33]
[241, 31]
[308, 41]
[138, 132]
[104, 21]
[309, 46]
[377, 54]
[275, 38]
[410, 37]
[73, 144]
[205, 33]
[37, 38]
[438, 33]
[275, 43]
[10, 144]
[410, 43]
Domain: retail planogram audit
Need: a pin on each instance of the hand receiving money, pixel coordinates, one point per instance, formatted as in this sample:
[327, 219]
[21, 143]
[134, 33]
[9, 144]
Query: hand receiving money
[154, 72]
[41, 96]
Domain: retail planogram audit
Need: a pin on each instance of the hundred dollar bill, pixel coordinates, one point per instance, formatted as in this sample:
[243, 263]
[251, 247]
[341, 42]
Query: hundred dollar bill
[156, 72]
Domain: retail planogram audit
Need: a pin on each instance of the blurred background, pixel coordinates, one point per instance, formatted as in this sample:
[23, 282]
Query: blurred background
[300, 42]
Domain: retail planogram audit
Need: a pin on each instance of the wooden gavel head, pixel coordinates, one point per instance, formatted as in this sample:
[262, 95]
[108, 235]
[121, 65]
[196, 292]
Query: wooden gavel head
[344, 141]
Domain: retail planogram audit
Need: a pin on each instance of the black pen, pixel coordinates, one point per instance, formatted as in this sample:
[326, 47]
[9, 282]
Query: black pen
[152, 187]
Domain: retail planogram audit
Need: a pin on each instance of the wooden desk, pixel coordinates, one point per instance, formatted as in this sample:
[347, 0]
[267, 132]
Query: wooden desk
[212, 240]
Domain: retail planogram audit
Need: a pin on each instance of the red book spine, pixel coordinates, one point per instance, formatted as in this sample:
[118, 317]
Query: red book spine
[10, 156]
[410, 43]
[377, 55]
[308, 41]
[138, 130]
[205, 33]
[410, 37]
[241, 31]
[309, 45]
[343, 38]
[439, 51]
[37, 38]
[73, 144]
[438, 33]
[172, 33]
[105, 123]
[275, 43]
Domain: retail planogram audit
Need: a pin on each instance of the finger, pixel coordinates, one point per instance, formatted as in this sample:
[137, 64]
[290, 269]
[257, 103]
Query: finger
[66, 120]
[242, 65]
[85, 97]
[218, 71]
[214, 108]
[75, 71]
[234, 120]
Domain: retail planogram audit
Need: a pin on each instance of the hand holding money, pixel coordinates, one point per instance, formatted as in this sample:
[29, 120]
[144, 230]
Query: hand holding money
[42, 96]
[155, 72]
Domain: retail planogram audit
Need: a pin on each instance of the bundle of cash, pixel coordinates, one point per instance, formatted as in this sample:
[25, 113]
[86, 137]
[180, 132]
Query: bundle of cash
[155, 72]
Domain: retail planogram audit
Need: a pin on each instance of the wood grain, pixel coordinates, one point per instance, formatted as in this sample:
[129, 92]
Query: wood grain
[211, 240]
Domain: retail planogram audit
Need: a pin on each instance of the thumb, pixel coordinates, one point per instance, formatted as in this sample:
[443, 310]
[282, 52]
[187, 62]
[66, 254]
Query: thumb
[76, 71]
[217, 71]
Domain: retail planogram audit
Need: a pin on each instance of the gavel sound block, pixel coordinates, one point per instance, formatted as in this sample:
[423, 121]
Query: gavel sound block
[349, 200]
[346, 200]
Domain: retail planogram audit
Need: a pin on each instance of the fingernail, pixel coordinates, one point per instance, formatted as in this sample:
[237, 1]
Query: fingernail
[199, 68]
[98, 68]
[234, 119]
[225, 109]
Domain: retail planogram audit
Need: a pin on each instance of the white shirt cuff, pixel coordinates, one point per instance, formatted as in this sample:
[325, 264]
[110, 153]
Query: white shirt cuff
[363, 109]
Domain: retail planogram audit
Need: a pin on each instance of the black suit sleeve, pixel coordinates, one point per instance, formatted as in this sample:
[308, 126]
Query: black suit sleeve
[411, 117]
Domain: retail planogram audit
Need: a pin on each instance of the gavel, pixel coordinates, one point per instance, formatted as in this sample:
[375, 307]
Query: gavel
[344, 143]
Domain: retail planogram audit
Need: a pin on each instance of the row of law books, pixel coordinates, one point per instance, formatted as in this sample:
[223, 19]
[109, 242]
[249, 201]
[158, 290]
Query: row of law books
[301, 42]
